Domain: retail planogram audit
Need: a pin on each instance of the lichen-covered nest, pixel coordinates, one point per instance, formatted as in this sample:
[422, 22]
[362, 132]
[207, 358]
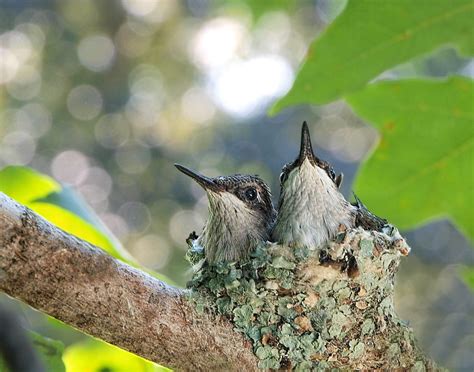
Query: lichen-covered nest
[315, 309]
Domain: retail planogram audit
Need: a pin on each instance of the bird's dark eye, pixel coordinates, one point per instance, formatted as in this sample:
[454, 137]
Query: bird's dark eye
[250, 194]
[332, 174]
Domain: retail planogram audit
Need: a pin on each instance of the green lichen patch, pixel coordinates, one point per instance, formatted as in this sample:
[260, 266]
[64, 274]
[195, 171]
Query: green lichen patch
[314, 309]
[366, 247]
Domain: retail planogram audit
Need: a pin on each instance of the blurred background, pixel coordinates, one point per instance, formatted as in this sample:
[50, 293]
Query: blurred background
[106, 96]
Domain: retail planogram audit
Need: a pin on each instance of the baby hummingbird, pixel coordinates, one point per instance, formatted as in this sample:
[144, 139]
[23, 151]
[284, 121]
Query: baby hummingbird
[241, 215]
[311, 208]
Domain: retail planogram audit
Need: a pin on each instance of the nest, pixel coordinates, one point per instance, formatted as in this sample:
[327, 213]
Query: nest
[314, 309]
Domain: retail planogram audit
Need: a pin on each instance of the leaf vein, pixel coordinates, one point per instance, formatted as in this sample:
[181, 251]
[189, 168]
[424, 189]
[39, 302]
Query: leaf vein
[398, 37]
[459, 150]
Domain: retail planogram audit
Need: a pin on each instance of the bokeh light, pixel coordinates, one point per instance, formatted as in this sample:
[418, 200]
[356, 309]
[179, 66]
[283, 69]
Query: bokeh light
[17, 148]
[96, 52]
[139, 8]
[133, 158]
[112, 130]
[197, 106]
[137, 215]
[217, 42]
[182, 223]
[244, 87]
[84, 102]
[70, 167]
[152, 250]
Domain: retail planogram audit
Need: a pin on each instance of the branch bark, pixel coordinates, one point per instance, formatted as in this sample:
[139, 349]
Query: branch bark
[86, 288]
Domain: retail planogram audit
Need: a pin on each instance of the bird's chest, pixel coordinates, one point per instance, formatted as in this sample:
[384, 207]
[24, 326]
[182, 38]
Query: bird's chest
[312, 210]
[230, 231]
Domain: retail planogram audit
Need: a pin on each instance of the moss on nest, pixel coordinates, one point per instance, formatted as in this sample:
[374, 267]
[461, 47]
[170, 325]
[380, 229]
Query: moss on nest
[314, 310]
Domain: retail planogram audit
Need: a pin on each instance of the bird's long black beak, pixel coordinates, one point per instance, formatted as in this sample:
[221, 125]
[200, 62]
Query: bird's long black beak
[306, 150]
[205, 182]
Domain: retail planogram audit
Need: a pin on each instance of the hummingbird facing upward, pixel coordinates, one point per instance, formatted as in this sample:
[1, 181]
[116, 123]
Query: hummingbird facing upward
[241, 215]
[311, 208]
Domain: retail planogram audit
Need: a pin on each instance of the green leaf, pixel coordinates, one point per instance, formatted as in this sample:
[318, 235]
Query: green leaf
[16, 182]
[74, 225]
[467, 273]
[422, 166]
[50, 352]
[370, 37]
[69, 199]
[87, 224]
[77, 226]
[63, 207]
[95, 355]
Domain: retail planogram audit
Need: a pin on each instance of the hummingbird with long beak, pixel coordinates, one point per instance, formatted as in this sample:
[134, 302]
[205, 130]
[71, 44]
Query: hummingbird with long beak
[241, 215]
[311, 208]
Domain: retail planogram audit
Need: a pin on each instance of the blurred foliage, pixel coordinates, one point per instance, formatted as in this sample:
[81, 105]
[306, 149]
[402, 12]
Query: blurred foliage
[97, 356]
[259, 8]
[426, 127]
[29, 187]
[50, 352]
[468, 275]
[422, 164]
[25, 185]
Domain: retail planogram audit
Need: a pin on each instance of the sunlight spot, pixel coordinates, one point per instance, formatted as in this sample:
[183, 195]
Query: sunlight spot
[152, 251]
[70, 167]
[139, 8]
[182, 223]
[244, 86]
[17, 148]
[96, 52]
[8, 65]
[217, 42]
[196, 106]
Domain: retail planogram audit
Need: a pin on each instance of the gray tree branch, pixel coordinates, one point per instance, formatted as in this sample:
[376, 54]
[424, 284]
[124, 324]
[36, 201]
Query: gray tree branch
[88, 289]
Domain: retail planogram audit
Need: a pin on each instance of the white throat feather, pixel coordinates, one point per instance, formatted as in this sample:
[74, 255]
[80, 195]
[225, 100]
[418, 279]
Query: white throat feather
[232, 230]
[311, 208]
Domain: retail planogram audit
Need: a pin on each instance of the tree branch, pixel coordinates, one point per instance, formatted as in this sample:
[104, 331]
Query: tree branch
[88, 289]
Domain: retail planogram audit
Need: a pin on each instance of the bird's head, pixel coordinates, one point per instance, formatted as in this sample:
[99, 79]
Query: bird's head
[239, 191]
[241, 213]
[306, 159]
